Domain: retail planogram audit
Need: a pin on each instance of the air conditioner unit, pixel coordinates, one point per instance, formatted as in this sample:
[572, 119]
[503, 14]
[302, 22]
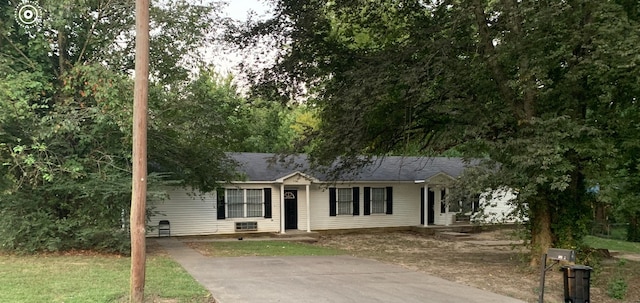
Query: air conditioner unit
[247, 226]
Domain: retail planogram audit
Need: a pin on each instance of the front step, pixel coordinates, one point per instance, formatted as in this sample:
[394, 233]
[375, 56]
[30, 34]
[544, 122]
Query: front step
[297, 234]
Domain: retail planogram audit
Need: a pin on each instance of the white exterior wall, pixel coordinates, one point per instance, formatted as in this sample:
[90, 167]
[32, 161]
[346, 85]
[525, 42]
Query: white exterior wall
[302, 209]
[406, 208]
[495, 208]
[194, 214]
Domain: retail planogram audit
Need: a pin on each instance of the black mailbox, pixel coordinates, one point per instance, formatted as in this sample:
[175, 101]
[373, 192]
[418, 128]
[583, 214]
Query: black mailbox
[557, 255]
[561, 254]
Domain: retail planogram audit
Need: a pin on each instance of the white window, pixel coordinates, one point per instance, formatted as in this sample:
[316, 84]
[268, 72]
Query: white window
[378, 200]
[344, 201]
[243, 203]
[254, 202]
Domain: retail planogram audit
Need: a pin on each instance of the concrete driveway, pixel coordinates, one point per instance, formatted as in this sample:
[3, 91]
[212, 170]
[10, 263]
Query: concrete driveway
[334, 279]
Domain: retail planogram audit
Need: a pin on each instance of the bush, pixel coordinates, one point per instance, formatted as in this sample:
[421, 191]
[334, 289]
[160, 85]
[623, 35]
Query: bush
[89, 214]
[617, 288]
[37, 222]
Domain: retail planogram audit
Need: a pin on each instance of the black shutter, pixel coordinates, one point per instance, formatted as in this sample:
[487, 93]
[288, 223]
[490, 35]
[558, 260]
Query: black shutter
[356, 201]
[367, 201]
[220, 201]
[267, 202]
[332, 201]
[421, 205]
[389, 200]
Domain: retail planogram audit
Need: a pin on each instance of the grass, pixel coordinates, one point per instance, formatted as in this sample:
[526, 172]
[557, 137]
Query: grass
[263, 248]
[610, 244]
[610, 231]
[98, 278]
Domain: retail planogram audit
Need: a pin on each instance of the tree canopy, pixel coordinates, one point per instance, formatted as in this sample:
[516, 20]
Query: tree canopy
[544, 91]
[65, 118]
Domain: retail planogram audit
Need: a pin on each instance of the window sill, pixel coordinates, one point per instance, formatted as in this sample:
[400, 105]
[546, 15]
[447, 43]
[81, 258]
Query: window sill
[244, 218]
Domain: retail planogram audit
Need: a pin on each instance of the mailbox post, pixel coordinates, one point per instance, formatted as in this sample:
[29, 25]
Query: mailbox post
[557, 255]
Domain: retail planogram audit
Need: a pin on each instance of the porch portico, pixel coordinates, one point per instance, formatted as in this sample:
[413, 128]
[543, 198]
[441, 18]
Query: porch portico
[434, 209]
[294, 201]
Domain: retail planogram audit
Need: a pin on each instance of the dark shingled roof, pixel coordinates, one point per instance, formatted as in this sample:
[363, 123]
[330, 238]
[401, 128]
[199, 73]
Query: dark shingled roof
[270, 167]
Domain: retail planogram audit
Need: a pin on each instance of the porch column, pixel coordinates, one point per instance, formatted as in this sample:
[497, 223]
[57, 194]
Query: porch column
[426, 204]
[282, 208]
[308, 210]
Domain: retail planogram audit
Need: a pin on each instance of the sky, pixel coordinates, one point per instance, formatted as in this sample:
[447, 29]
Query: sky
[225, 62]
[238, 9]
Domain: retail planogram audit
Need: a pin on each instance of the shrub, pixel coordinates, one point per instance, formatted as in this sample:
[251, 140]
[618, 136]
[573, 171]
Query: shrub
[617, 288]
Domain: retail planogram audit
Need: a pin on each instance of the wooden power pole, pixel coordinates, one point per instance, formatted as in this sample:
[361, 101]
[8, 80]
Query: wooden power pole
[139, 179]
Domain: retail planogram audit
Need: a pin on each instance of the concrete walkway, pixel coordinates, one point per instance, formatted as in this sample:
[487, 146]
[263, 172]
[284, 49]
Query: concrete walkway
[335, 279]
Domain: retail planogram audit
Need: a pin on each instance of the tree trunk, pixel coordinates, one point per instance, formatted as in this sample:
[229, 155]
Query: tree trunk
[63, 57]
[541, 236]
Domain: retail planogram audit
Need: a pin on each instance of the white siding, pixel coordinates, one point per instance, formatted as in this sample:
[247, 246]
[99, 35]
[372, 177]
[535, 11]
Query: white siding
[406, 208]
[444, 219]
[195, 214]
[302, 209]
[439, 218]
[495, 208]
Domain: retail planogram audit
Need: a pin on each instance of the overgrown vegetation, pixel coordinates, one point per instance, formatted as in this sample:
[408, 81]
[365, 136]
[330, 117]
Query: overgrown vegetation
[544, 92]
[65, 119]
[617, 287]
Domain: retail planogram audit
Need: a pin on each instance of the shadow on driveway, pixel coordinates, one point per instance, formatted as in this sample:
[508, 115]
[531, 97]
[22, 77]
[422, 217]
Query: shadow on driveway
[335, 279]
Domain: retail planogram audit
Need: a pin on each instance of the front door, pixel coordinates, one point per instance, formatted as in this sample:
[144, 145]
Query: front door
[431, 198]
[291, 209]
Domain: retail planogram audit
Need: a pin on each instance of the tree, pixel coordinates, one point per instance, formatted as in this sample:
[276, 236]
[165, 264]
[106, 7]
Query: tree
[189, 135]
[620, 188]
[528, 85]
[65, 119]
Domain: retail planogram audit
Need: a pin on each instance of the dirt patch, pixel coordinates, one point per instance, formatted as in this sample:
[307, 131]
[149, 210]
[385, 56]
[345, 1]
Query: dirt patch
[155, 249]
[489, 261]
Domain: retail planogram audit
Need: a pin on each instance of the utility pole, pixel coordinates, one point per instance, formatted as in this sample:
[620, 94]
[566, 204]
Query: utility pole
[139, 179]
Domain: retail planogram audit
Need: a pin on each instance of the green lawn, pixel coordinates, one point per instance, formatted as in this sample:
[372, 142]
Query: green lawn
[45, 278]
[262, 248]
[611, 244]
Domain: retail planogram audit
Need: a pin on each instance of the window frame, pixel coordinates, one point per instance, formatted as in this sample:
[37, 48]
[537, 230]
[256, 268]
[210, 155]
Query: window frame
[349, 201]
[247, 205]
[372, 201]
